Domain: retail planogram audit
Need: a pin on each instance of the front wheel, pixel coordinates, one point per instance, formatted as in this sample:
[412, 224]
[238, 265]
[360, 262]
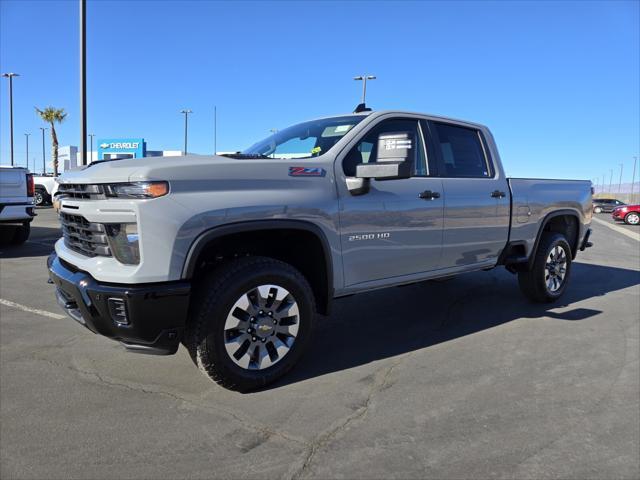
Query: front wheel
[251, 321]
[549, 275]
[632, 218]
[597, 210]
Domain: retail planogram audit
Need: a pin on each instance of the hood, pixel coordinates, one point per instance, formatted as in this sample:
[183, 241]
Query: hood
[186, 167]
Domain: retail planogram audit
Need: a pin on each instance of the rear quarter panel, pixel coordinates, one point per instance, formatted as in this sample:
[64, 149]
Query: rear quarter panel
[533, 200]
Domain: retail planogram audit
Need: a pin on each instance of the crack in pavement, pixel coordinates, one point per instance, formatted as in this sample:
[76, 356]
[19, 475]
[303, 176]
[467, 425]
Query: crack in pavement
[324, 439]
[263, 429]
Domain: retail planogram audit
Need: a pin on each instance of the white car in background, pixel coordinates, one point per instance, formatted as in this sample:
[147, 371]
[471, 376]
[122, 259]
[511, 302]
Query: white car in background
[16, 204]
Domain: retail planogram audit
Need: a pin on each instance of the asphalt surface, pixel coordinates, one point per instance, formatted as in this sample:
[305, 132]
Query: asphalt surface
[456, 379]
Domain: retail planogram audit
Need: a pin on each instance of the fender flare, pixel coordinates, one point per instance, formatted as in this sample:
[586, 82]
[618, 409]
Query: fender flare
[205, 237]
[545, 221]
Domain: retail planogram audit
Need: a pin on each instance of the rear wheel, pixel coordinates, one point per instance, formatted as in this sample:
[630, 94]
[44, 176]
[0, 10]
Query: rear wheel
[21, 234]
[597, 210]
[250, 323]
[632, 218]
[549, 275]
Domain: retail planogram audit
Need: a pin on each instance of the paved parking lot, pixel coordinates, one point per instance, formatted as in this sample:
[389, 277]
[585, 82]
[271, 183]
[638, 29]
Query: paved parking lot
[456, 379]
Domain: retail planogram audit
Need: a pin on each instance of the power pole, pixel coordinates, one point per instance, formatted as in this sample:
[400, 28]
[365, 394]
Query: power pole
[633, 177]
[620, 182]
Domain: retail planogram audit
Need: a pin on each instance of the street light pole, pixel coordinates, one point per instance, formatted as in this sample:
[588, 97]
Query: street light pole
[83, 81]
[215, 129]
[364, 79]
[186, 124]
[610, 179]
[44, 164]
[10, 76]
[26, 135]
[91, 135]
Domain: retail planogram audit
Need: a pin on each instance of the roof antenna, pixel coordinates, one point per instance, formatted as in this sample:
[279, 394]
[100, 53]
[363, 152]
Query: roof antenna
[362, 107]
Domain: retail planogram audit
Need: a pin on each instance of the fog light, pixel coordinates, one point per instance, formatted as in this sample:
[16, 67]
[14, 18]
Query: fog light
[123, 240]
[118, 311]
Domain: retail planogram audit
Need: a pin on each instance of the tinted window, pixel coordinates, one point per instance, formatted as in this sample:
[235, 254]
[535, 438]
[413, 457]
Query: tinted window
[365, 150]
[461, 151]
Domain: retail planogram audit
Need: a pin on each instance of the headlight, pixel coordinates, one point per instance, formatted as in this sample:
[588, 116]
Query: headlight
[137, 189]
[123, 240]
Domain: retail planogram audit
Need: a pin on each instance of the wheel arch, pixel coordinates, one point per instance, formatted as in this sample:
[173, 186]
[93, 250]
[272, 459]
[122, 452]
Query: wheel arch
[310, 252]
[564, 221]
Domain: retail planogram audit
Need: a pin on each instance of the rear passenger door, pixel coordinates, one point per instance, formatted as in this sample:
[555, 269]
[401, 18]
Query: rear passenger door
[476, 196]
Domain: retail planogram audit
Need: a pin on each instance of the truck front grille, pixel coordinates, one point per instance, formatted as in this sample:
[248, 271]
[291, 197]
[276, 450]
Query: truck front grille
[81, 191]
[84, 237]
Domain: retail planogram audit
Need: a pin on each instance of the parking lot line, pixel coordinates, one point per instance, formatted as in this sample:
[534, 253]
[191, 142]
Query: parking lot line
[635, 236]
[24, 308]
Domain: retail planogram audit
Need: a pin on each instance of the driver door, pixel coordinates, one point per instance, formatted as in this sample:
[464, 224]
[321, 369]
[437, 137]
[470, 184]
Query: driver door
[395, 229]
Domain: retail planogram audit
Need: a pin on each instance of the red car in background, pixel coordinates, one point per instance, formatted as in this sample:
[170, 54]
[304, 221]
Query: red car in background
[630, 214]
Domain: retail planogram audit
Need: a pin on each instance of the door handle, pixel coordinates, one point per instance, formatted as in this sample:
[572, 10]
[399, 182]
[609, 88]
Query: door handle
[498, 194]
[428, 195]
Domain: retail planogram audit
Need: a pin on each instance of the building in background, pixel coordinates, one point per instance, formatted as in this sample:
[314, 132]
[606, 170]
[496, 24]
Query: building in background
[111, 149]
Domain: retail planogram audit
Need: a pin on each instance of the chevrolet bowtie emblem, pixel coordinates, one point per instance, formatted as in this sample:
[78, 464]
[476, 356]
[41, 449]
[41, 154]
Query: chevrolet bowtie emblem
[264, 328]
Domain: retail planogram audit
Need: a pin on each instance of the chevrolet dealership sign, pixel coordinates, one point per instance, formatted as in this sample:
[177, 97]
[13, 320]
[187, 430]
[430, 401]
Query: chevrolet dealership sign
[121, 148]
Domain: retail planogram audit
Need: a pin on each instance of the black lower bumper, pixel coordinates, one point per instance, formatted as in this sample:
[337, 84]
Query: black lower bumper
[155, 313]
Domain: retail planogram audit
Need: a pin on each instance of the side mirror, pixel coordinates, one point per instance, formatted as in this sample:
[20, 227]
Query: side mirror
[393, 160]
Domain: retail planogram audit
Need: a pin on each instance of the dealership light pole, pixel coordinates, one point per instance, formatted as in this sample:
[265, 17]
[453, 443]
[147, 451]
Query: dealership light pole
[215, 129]
[10, 76]
[26, 135]
[186, 124]
[91, 135]
[44, 164]
[83, 81]
[364, 79]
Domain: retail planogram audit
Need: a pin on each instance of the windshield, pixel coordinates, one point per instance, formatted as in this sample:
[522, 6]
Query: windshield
[304, 140]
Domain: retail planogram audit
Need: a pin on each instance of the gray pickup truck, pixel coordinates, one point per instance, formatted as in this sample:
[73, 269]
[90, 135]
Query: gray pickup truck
[237, 256]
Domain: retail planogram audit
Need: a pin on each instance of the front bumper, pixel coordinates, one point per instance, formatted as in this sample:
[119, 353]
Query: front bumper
[156, 313]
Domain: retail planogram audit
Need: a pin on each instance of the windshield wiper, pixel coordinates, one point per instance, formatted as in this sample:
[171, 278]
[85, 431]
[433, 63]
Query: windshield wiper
[239, 155]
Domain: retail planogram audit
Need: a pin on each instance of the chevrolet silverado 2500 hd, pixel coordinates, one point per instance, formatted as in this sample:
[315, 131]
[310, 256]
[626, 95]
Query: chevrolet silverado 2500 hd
[234, 256]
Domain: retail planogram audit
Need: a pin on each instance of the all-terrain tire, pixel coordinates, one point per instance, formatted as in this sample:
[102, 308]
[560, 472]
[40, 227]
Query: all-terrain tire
[534, 283]
[213, 299]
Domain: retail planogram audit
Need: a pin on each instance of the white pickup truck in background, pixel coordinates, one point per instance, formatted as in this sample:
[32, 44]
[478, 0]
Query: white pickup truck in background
[45, 186]
[16, 204]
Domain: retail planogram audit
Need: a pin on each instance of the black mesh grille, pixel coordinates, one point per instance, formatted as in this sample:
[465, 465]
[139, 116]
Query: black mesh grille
[81, 191]
[84, 237]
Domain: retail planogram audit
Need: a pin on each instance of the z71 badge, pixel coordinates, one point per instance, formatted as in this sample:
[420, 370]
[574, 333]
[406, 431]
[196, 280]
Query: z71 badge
[307, 172]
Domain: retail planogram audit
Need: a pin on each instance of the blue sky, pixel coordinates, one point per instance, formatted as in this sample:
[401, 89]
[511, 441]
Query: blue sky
[557, 82]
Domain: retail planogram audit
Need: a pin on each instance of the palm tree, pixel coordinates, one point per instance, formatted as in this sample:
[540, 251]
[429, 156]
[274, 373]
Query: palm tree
[52, 116]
